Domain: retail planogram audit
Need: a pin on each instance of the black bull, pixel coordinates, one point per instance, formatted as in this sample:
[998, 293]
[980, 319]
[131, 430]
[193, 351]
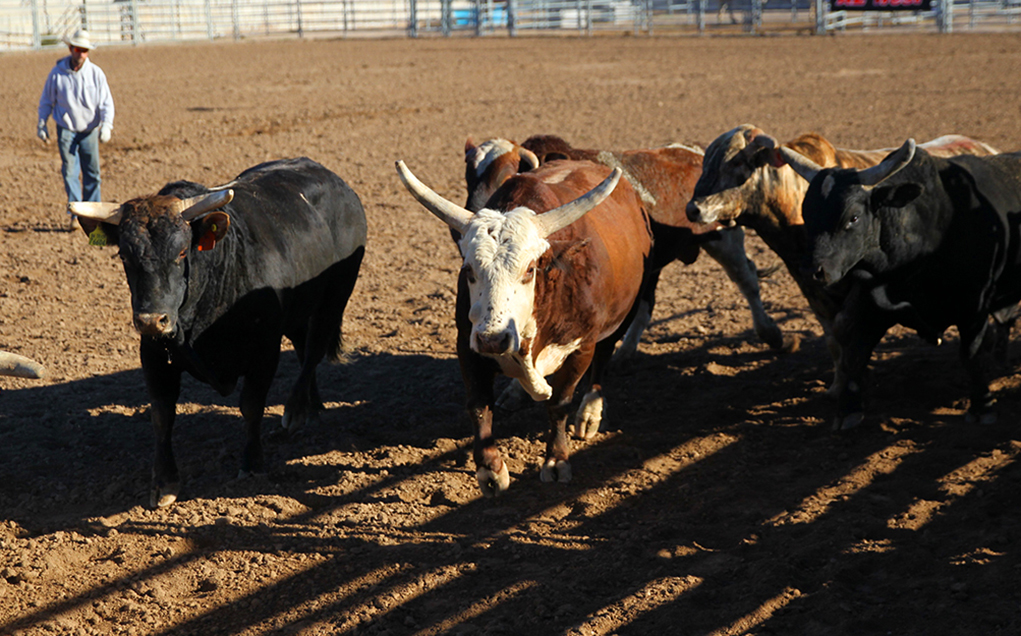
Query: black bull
[920, 241]
[213, 295]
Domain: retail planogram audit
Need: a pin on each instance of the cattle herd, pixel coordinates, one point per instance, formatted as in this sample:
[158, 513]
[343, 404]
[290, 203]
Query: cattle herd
[562, 249]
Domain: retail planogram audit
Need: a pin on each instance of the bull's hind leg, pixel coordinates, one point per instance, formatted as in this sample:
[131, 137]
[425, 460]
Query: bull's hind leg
[639, 323]
[320, 339]
[976, 350]
[253, 405]
[589, 416]
[729, 252]
[556, 465]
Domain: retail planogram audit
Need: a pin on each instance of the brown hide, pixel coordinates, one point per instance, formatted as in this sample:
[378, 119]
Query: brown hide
[664, 177]
[589, 279]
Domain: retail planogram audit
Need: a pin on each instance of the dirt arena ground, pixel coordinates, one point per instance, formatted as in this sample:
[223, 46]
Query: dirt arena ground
[715, 500]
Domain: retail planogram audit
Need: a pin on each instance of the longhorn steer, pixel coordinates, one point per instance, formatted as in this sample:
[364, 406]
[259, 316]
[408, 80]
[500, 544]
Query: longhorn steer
[746, 181]
[917, 240]
[664, 179]
[545, 291]
[217, 278]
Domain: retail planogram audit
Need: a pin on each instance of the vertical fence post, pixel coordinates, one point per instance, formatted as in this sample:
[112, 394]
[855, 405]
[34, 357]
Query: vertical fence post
[820, 17]
[235, 19]
[477, 12]
[700, 18]
[37, 38]
[210, 31]
[301, 23]
[755, 21]
[946, 16]
[445, 17]
[412, 19]
[136, 29]
[512, 18]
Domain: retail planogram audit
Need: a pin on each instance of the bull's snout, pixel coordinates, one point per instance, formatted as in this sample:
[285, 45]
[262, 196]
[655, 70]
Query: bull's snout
[153, 324]
[693, 212]
[493, 344]
[699, 213]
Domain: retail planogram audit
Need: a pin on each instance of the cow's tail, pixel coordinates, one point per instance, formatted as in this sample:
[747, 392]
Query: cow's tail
[336, 351]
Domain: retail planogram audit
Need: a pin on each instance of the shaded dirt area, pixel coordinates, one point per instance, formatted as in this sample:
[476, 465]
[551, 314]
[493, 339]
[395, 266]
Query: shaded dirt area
[715, 501]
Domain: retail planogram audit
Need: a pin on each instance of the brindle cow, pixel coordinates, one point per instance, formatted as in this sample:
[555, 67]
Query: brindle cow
[746, 181]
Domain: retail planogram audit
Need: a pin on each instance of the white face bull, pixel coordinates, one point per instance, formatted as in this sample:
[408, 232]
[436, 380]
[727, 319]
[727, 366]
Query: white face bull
[500, 251]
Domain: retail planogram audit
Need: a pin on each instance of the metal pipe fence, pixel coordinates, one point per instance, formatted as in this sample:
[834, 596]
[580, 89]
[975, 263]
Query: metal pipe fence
[36, 24]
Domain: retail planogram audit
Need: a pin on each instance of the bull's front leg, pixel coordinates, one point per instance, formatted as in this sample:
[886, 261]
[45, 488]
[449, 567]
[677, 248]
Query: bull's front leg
[975, 355]
[556, 465]
[857, 335]
[729, 252]
[490, 470]
[163, 383]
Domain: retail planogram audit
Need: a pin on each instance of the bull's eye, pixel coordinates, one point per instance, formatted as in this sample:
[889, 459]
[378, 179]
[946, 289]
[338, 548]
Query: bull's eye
[529, 275]
[469, 274]
[852, 221]
[180, 257]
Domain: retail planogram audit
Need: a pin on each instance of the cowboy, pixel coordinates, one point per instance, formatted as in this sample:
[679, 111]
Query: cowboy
[78, 97]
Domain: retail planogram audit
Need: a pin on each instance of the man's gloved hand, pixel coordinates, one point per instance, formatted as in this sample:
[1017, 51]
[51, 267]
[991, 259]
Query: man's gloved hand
[104, 132]
[42, 132]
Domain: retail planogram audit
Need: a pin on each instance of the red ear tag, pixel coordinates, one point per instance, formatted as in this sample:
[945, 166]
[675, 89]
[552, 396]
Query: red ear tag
[208, 240]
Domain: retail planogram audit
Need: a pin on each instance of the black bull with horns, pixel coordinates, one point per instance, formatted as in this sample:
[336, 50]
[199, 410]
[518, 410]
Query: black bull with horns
[920, 241]
[218, 277]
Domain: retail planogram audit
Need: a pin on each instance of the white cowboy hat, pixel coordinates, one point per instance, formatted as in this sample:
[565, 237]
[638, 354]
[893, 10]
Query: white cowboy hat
[80, 39]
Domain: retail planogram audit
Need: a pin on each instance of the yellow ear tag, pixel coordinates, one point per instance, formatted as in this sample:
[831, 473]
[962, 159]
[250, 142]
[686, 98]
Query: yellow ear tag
[98, 236]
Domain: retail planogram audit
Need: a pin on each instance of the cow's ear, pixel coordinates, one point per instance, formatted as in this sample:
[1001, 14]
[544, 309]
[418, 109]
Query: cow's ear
[895, 196]
[209, 230]
[99, 233]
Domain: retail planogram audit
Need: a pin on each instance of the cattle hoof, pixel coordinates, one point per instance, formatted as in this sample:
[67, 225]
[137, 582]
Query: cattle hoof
[849, 421]
[589, 416]
[788, 344]
[556, 471]
[290, 422]
[493, 483]
[163, 497]
[514, 397]
[984, 419]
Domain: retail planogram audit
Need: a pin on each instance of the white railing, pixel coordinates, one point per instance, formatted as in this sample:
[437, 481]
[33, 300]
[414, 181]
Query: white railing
[38, 24]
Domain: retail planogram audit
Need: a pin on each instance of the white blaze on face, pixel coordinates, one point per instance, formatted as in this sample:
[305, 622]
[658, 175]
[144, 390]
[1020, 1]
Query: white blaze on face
[499, 250]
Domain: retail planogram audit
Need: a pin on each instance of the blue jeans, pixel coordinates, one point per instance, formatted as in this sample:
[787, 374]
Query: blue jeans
[79, 157]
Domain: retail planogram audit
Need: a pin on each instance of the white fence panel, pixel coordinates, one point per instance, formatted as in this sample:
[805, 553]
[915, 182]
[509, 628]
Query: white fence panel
[42, 23]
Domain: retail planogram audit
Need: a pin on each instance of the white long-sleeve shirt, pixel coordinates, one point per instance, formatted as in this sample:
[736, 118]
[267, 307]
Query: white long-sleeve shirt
[78, 100]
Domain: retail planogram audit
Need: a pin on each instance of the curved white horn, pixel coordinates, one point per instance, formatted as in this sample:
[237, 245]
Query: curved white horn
[196, 206]
[890, 166]
[559, 218]
[529, 156]
[20, 366]
[800, 163]
[99, 210]
[453, 215]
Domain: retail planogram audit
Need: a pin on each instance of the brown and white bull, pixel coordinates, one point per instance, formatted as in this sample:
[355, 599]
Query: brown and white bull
[664, 179]
[746, 181]
[553, 266]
